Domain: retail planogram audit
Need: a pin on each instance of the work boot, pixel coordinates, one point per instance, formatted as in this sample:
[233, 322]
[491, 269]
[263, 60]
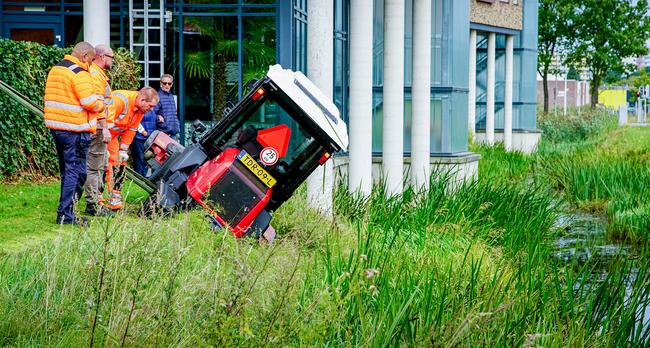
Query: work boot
[92, 210]
[114, 202]
[77, 221]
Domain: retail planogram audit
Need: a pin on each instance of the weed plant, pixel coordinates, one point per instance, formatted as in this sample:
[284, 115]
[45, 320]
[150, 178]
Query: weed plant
[579, 124]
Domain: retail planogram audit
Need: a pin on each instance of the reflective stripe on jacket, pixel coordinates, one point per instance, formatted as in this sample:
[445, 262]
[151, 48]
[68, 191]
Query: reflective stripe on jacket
[101, 85]
[126, 117]
[69, 96]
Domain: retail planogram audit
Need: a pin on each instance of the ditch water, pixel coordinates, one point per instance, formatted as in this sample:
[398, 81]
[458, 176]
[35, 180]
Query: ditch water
[584, 241]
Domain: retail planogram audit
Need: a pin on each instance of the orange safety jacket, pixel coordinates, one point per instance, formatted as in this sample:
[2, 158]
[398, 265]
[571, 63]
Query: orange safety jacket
[101, 84]
[126, 117]
[70, 99]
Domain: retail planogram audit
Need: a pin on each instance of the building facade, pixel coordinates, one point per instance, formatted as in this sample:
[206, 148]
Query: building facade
[503, 36]
[410, 77]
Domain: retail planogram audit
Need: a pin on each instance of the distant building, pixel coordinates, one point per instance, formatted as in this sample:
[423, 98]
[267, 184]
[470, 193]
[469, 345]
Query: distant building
[643, 62]
[575, 92]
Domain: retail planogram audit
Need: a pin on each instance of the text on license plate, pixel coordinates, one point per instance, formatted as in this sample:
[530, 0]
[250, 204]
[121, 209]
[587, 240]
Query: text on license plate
[257, 169]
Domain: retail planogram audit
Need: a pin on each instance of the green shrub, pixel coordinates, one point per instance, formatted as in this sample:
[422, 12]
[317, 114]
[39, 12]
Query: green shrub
[578, 124]
[125, 72]
[25, 144]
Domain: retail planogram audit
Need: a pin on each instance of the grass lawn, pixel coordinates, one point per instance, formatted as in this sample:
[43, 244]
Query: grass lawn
[28, 213]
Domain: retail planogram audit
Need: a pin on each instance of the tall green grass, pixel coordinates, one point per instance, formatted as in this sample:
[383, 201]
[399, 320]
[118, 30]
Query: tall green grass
[472, 267]
[433, 268]
[599, 168]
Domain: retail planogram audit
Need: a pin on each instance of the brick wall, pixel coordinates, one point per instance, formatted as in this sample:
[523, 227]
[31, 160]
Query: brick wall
[577, 93]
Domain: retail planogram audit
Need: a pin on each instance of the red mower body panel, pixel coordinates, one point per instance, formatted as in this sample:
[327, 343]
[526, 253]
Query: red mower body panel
[226, 189]
[247, 165]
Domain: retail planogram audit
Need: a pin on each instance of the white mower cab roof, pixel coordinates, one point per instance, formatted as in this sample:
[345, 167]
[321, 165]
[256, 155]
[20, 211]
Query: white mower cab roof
[312, 101]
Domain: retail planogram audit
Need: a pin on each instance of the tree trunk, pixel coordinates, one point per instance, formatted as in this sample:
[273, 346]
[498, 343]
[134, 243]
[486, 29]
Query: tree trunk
[545, 83]
[595, 83]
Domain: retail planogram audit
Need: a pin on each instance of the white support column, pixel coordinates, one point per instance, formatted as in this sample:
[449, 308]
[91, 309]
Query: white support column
[97, 24]
[471, 96]
[421, 94]
[507, 122]
[491, 62]
[360, 153]
[320, 59]
[393, 127]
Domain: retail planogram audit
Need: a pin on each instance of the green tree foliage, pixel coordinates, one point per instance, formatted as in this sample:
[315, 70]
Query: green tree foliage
[639, 78]
[573, 74]
[125, 72]
[605, 32]
[554, 18]
[25, 144]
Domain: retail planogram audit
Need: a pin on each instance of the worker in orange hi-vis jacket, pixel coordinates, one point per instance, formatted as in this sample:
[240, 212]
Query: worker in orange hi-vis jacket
[126, 111]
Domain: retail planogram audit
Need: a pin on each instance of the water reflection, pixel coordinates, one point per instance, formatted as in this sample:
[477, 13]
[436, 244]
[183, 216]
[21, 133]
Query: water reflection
[583, 239]
[583, 243]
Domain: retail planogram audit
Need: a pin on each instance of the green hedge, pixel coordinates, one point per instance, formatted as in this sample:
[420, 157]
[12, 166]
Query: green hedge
[26, 146]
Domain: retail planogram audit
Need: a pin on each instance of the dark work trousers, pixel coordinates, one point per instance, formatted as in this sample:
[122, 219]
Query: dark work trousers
[137, 154]
[71, 150]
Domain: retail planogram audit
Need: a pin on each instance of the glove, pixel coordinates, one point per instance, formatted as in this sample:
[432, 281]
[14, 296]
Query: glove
[123, 156]
[106, 135]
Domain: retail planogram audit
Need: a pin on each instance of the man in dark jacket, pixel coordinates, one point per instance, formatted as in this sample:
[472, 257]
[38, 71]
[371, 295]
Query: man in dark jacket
[147, 126]
[167, 120]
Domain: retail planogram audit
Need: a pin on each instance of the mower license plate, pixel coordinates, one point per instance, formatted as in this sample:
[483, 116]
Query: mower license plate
[254, 167]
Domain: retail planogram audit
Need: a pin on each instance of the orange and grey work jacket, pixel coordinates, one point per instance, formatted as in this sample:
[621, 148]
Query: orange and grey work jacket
[101, 84]
[70, 99]
[125, 115]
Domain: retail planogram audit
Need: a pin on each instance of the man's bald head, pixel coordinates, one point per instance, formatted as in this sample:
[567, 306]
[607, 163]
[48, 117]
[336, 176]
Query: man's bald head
[84, 51]
[103, 56]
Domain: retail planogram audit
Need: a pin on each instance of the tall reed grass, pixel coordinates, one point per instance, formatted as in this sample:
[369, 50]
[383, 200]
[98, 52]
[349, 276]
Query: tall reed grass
[431, 268]
[599, 169]
[473, 267]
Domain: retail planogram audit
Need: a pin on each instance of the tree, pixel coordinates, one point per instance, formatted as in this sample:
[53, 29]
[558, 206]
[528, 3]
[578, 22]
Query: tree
[554, 21]
[605, 32]
[573, 74]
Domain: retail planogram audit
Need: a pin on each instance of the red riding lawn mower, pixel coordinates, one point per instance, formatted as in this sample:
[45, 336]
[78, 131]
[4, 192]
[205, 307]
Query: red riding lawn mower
[247, 165]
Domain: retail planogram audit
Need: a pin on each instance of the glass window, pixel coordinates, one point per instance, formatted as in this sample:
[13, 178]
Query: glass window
[436, 42]
[259, 47]
[210, 64]
[341, 57]
[301, 144]
[300, 35]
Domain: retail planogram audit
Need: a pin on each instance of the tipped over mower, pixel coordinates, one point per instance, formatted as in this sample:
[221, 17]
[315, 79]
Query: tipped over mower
[248, 164]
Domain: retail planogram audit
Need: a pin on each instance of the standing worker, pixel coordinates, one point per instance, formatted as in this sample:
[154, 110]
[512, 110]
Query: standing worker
[71, 106]
[127, 110]
[97, 152]
[166, 110]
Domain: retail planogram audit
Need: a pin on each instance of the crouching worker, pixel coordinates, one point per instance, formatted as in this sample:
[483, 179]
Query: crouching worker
[126, 111]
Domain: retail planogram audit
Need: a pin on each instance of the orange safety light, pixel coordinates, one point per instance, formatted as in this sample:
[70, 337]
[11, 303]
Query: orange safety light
[324, 158]
[260, 92]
